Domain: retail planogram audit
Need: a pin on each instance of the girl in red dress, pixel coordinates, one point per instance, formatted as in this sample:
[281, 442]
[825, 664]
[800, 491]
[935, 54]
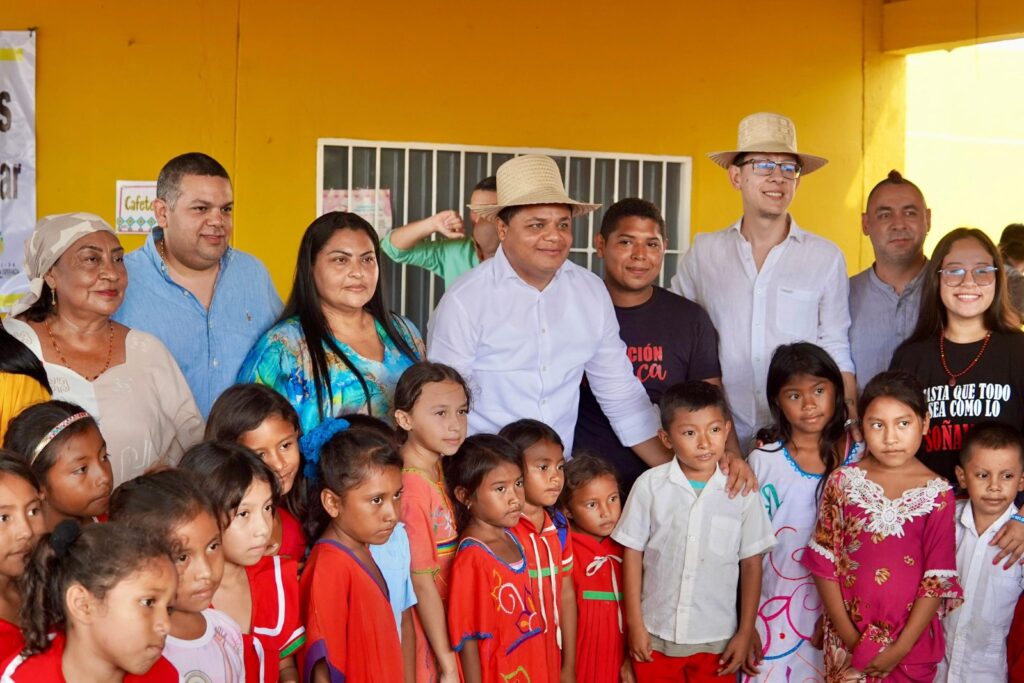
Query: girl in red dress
[265, 422]
[258, 591]
[592, 501]
[431, 410]
[106, 589]
[63, 446]
[20, 504]
[494, 620]
[351, 634]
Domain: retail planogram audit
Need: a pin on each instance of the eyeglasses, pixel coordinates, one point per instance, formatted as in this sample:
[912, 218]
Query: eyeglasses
[790, 169]
[983, 275]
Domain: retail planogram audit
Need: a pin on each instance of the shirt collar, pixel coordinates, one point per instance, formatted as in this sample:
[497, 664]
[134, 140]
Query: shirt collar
[967, 519]
[795, 231]
[503, 270]
[911, 286]
[676, 476]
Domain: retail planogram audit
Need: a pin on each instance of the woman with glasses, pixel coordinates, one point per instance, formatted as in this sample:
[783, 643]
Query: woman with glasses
[967, 348]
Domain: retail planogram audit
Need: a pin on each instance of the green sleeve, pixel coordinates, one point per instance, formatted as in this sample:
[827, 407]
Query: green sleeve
[444, 257]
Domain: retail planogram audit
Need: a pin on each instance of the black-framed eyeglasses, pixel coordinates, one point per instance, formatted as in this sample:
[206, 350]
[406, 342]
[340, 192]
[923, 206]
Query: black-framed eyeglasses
[983, 276]
[789, 169]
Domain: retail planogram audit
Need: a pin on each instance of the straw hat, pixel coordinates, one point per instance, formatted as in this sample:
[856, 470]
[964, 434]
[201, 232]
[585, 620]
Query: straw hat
[771, 133]
[530, 179]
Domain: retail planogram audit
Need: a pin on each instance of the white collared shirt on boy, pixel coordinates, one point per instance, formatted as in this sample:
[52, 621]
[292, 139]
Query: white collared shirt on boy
[692, 544]
[976, 632]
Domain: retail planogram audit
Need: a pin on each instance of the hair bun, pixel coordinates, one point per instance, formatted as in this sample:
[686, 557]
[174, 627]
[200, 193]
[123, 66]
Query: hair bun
[64, 536]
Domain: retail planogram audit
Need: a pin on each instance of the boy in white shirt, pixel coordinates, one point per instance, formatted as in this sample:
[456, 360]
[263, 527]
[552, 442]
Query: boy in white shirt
[991, 470]
[687, 547]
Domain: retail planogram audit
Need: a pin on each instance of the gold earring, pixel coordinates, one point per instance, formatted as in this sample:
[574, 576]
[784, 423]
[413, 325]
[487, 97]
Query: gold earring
[53, 296]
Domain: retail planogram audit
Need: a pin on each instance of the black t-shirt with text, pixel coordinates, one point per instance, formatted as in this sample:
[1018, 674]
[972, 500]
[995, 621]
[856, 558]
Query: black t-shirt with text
[991, 391]
[669, 339]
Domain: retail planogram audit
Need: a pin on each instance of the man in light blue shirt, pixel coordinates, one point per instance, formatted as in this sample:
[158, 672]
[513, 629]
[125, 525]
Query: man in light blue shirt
[208, 303]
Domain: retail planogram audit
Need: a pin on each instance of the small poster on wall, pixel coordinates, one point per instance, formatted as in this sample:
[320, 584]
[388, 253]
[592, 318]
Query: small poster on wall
[373, 205]
[135, 206]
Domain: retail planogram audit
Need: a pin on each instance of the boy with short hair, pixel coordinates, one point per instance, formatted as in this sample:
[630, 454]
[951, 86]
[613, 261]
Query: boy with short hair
[688, 546]
[991, 470]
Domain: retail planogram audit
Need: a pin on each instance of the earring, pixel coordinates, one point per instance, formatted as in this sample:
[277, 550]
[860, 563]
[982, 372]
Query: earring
[53, 297]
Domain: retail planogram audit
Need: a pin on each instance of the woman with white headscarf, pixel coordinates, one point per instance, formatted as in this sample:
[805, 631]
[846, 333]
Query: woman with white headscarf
[125, 378]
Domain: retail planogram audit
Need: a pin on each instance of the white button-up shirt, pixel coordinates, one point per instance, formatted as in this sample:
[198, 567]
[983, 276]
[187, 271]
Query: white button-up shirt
[524, 351]
[976, 632]
[692, 545]
[800, 294]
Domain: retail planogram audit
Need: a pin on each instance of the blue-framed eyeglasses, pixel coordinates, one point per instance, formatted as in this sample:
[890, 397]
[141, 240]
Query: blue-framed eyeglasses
[789, 169]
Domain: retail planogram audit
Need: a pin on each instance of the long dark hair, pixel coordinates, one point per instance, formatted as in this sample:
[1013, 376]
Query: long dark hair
[804, 358]
[304, 303]
[18, 359]
[224, 471]
[478, 455]
[1000, 316]
[243, 408]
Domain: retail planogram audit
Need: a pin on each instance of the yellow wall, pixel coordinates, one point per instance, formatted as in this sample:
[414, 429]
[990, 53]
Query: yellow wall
[918, 25]
[123, 86]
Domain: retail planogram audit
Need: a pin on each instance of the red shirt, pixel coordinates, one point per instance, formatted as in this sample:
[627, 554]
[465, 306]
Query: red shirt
[293, 540]
[45, 667]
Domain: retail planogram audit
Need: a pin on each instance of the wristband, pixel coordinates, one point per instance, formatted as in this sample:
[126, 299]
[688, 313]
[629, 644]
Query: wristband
[1017, 518]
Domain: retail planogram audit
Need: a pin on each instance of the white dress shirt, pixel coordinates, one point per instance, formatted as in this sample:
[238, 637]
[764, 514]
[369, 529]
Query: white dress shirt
[976, 632]
[692, 545]
[524, 351]
[800, 294]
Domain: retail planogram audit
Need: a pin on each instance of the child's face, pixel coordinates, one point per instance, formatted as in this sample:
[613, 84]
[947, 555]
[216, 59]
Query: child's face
[697, 437]
[199, 561]
[21, 523]
[368, 512]
[438, 419]
[131, 623]
[595, 507]
[893, 431]
[992, 477]
[808, 403]
[80, 481]
[544, 473]
[277, 443]
[498, 500]
[247, 534]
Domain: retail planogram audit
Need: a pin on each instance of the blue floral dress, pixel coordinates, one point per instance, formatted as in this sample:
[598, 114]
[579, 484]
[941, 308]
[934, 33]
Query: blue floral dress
[281, 361]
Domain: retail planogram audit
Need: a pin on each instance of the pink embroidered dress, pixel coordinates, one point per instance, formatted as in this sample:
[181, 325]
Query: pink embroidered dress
[885, 554]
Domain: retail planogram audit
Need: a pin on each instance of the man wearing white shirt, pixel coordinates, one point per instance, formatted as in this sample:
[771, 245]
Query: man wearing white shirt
[523, 326]
[764, 281]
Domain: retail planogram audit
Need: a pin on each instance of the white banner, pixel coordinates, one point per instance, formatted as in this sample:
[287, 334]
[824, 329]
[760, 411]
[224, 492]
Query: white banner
[17, 158]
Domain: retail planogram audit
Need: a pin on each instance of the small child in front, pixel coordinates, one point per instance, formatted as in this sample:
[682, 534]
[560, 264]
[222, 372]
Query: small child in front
[991, 470]
[687, 548]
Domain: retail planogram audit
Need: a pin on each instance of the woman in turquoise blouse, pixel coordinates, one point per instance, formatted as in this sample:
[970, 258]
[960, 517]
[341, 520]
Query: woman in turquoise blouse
[336, 349]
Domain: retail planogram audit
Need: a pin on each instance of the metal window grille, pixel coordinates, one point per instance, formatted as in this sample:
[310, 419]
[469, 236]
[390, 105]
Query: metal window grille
[425, 178]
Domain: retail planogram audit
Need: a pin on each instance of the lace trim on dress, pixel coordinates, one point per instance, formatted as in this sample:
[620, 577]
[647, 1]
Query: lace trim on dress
[941, 573]
[822, 550]
[887, 516]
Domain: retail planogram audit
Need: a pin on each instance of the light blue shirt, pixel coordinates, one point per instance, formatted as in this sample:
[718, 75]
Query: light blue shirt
[209, 345]
[394, 559]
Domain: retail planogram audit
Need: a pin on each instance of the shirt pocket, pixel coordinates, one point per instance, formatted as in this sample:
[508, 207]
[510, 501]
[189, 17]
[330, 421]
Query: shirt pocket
[796, 313]
[725, 537]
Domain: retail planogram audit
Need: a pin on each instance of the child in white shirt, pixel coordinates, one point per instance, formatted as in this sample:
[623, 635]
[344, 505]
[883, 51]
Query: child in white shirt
[992, 472]
[687, 547]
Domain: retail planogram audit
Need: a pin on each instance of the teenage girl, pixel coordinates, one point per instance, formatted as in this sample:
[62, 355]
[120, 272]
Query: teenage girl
[883, 554]
[431, 410]
[204, 643]
[493, 620]
[544, 532]
[807, 442]
[21, 525]
[106, 589]
[592, 501]
[343, 595]
[265, 422]
[259, 592]
[63, 446]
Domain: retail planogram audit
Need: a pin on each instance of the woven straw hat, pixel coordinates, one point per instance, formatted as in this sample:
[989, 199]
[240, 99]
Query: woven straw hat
[771, 133]
[530, 179]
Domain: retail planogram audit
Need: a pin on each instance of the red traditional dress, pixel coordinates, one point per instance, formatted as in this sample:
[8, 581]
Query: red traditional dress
[11, 640]
[45, 667]
[430, 523]
[348, 616]
[1015, 645]
[549, 559]
[276, 628]
[601, 625]
[293, 540]
[885, 554]
[493, 604]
